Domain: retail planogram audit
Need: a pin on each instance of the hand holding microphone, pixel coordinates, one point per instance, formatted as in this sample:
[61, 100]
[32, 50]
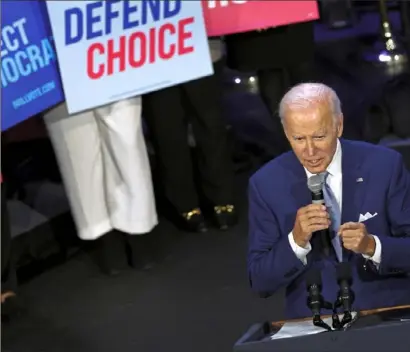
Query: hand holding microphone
[309, 219]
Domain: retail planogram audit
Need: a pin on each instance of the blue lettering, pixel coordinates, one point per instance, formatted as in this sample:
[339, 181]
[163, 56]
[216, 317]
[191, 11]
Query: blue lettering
[110, 14]
[18, 102]
[4, 82]
[93, 18]
[70, 16]
[10, 70]
[14, 35]
[24, 69]
[34, 55]
[154, 7]
[25, 62]
[172, 8]
[7, 38]
[129, 9]
[48, 52]
[34, 94]
[100, 17]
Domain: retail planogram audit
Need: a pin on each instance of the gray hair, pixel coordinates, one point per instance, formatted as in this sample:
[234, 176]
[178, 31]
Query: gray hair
[304, 95]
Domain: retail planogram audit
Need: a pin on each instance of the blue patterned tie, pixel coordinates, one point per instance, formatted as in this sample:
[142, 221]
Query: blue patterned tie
[335, 217]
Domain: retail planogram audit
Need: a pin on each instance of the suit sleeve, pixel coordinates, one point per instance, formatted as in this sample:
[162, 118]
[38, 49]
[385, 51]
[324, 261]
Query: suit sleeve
[271, 260]
[395, 247]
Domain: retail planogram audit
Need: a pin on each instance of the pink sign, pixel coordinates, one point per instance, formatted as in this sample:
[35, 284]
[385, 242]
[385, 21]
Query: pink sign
[234, 16]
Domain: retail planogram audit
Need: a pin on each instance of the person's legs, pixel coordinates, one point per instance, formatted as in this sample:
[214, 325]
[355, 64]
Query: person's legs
[273, 84]
[127, 177]
[165, 116]
[215, 159]
[127, 182]
[77, 144]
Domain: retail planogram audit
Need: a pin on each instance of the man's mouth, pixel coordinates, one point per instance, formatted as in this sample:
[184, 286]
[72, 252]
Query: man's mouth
[314, 162]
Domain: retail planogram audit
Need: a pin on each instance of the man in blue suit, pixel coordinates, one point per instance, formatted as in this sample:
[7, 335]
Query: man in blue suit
[368, 183]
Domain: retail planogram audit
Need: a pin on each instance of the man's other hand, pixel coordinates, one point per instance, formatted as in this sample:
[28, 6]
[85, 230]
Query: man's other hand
[355, 238]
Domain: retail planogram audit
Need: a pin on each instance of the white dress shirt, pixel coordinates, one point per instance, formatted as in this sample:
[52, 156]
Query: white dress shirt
[334, 180]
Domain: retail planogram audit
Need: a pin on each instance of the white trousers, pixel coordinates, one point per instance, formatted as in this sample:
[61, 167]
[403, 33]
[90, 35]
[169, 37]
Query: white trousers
[105, 168]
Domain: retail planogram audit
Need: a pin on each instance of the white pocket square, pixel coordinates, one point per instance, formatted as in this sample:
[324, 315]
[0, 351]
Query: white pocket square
[366, 216]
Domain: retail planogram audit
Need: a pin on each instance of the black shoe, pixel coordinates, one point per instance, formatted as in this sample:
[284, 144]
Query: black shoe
[225, 216]
[107, 253]
[139, 252]
[194, 221]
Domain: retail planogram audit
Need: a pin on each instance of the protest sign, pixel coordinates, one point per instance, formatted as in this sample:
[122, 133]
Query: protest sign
[235, 16]
[113, 50]
[30, 81]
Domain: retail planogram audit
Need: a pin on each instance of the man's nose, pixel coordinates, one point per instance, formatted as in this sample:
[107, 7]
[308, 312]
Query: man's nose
[310, 148]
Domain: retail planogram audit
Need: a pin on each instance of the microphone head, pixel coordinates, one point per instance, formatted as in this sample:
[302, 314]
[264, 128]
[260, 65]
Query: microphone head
[315, 183]
[314, 277]
[344, 272]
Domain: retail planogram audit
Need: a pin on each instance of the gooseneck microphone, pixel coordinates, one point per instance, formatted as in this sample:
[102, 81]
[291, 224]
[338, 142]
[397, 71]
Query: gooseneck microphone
[346, 295]
[315, 300]
[315, 184]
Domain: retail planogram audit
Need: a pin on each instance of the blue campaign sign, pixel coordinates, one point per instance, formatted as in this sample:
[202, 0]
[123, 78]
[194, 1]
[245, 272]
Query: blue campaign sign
[112, 50]
[30, 80]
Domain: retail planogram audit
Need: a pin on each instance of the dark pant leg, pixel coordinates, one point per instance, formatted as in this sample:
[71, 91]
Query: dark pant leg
[165, 117]
[209, 126]
[273, 84]
[8, 272]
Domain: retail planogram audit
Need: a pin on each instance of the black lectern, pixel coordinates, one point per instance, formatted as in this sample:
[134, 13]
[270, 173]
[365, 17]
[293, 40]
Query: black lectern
[377, 331]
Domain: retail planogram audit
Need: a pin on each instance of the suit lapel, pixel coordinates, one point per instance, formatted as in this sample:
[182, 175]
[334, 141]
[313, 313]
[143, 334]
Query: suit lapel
[299, 190]
[352, 189]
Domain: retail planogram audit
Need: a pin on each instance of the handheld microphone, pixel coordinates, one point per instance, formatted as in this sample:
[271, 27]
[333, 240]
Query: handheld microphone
[315, 185]
[346, 295]
[315, 299]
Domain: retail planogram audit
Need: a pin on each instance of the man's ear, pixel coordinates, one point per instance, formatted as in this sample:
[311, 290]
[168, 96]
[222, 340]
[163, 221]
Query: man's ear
[340, 126]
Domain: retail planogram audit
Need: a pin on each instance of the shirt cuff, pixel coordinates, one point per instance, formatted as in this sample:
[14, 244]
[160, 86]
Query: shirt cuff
[377, 256]
[300, 252]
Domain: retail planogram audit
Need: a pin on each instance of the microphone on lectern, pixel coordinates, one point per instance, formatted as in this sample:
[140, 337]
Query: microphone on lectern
[315, 300]
[346, 296]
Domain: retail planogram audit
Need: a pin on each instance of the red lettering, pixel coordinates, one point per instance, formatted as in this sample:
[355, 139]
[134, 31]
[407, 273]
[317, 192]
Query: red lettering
[183, 35]
[163, 53]
[224, 3]
[152, 44]
[141, 47]
[96, 48]
[113, 55]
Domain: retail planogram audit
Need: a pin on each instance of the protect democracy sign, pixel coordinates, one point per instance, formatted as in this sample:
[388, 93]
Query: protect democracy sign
[30, 81]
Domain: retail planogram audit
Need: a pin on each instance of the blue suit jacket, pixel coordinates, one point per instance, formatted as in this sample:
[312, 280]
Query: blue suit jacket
[279, 189]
